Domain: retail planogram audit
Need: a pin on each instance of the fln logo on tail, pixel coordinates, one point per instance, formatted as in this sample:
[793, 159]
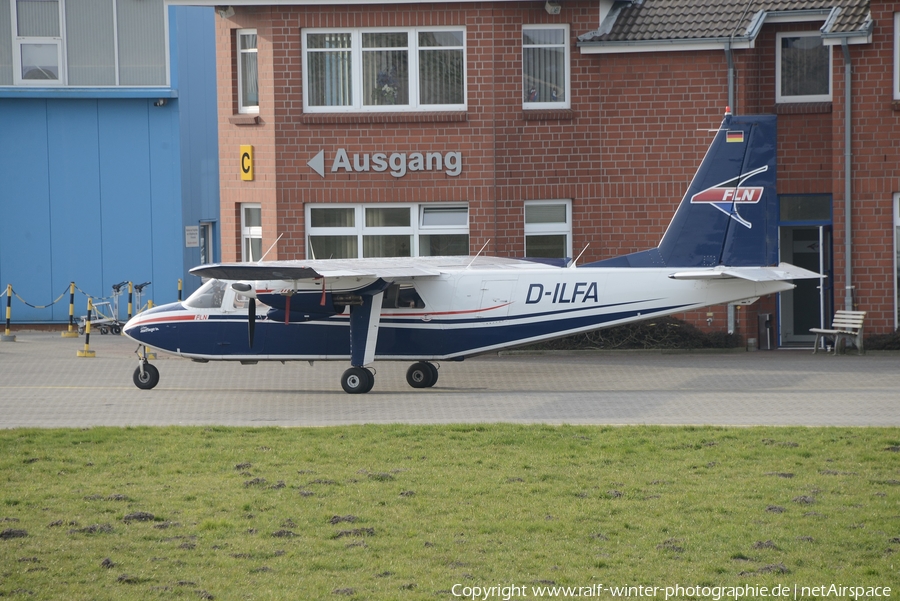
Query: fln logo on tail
[727, 195]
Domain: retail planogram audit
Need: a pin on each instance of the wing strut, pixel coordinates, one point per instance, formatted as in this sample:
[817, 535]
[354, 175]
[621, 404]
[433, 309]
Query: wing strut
[364, 329]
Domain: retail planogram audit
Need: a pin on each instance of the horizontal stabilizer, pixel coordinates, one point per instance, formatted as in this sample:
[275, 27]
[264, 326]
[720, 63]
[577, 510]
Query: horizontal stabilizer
[784, 271]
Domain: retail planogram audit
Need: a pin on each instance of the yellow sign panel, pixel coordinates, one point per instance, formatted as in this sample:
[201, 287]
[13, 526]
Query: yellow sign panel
[247, 162]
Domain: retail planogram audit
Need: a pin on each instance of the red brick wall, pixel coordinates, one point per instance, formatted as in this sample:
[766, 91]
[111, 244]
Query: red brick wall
[624, 154]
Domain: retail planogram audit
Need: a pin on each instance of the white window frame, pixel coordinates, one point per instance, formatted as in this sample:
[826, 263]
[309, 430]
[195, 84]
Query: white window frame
[250, 232]
[896, 62]
[781, 98]
[544, 229]
[60, 43]
[207, 242]
[356, 105]
[241, 51]
[896, 277]
[566, 102]
[360, 230]
[19, 41]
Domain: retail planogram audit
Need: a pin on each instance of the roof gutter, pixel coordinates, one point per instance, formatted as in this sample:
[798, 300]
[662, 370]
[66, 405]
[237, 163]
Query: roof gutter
[682, 45]
[738, 42]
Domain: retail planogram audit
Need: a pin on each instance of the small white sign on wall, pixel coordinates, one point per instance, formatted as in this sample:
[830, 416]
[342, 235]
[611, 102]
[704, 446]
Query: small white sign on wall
[192, 236]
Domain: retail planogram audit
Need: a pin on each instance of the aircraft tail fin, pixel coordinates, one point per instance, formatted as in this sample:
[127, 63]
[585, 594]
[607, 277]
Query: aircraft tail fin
[729, 214]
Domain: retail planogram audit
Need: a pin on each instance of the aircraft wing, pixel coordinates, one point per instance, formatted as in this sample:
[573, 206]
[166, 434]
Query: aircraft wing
[387, 269]
[784, 271]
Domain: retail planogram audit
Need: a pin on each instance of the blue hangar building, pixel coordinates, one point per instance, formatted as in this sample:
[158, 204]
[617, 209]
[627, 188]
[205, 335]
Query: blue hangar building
[110, 150]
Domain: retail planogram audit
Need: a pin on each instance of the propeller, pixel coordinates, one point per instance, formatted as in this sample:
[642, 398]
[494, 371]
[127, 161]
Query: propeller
[247, 290]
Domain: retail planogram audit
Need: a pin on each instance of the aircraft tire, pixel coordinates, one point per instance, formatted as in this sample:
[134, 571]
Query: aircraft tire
[434, 374]
[421, 375]
[148, 379]
[357, 380]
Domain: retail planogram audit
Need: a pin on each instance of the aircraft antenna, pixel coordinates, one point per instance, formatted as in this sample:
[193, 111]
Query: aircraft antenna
[271, 247]
[478, 254]
[579, 255]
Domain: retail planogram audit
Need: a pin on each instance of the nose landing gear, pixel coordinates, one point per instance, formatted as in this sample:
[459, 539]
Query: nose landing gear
[146, 376]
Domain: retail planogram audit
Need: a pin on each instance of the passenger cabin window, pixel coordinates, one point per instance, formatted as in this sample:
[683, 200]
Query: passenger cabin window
[402, 296]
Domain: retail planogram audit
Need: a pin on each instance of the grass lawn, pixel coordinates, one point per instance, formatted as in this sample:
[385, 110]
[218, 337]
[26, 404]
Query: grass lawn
[428, 512]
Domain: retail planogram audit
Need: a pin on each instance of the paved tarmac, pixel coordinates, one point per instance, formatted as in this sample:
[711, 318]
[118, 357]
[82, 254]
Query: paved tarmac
[44, 384]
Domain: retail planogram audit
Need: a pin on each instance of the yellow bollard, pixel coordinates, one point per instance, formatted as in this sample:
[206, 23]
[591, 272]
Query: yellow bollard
[7, 337]
[71, 333]
[87, 352]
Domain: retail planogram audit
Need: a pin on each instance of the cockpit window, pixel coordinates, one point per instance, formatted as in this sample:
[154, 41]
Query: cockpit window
[207, 296]
[402, 296]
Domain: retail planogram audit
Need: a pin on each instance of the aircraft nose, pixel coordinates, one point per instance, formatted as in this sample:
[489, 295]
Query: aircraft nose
[146, 327]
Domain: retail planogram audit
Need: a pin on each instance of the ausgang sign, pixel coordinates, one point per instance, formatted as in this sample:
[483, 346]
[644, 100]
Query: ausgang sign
[397, 163]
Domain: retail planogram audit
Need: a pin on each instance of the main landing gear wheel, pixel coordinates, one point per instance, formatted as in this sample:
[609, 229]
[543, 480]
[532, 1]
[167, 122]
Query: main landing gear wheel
[422, 375]
[357, 380]
[147, 378]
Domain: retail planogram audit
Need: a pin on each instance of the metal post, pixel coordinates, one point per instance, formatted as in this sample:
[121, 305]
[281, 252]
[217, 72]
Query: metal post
[71, 332]
[7, 337]
[130, 295]
[87, 352]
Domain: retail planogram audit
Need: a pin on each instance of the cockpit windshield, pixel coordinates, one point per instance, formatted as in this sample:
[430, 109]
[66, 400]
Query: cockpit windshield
[217, 294]
[208, 296]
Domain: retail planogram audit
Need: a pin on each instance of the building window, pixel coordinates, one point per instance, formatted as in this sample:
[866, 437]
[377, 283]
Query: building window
[548, 229]
[207, 244]
[38, 42]
[83, 43]
[443, 230]
[248, 90]
[545, 66]
[344, 232]
[896, 56]
[384, 70]
[803, 68]
[251, 232]
[897, 260]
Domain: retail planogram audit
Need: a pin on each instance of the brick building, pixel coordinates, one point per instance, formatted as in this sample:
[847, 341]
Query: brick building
[548, 129]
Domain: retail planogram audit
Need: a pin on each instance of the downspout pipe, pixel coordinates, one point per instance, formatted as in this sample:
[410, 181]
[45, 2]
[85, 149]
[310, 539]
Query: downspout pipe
[730, 312]
[848, 163]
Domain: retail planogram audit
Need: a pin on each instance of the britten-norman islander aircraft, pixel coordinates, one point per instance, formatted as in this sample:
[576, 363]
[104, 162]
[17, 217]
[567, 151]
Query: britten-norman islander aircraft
[720, 247]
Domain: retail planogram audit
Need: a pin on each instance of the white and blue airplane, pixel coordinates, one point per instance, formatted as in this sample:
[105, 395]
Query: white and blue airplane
[720, 247]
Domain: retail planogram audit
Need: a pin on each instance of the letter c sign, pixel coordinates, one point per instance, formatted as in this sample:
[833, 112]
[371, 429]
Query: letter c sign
[247, 162]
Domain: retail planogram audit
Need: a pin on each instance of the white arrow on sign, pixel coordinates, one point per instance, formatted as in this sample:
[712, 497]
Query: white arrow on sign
[318, 163]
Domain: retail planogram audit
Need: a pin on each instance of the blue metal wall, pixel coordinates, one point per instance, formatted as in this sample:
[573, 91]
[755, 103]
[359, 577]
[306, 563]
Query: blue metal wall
[192, 47]
[98, 190]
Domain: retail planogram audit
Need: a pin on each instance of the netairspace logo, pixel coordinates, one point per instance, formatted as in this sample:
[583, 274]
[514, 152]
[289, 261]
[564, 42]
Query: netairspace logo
[512, 592]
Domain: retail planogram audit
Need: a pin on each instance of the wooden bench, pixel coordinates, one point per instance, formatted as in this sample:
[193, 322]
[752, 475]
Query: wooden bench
[847, 325]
